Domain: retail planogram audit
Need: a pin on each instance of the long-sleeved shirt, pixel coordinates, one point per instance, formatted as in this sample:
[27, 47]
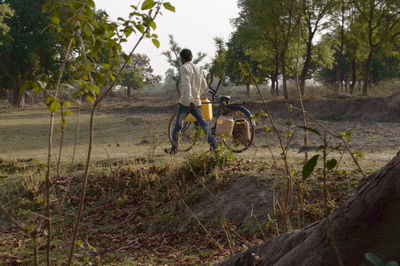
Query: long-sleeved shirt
[193, 84]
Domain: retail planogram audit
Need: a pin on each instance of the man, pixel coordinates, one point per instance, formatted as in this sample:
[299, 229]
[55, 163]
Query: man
[193, 84]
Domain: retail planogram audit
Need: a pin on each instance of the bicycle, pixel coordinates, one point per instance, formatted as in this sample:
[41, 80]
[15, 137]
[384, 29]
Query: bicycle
[243, 126]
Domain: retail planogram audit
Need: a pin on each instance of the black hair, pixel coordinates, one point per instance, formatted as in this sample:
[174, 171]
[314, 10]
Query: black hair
[186, 54]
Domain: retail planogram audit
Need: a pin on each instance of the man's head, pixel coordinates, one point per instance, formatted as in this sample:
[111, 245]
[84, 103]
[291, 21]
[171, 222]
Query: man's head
[186, 55]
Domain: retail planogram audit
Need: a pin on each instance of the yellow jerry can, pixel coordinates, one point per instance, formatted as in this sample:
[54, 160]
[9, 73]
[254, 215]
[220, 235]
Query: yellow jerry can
[206, 108]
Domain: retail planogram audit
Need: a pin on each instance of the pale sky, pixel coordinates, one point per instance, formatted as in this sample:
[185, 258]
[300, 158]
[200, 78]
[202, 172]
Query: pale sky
[194, 25]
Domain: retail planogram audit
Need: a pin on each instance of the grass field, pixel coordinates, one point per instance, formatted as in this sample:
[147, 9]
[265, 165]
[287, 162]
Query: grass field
[129, 143]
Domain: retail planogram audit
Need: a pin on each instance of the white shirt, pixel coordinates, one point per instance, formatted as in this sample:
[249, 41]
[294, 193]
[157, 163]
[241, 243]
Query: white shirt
[193, 84]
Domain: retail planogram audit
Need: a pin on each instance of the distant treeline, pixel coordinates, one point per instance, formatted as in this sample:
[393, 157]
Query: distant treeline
[341, 42]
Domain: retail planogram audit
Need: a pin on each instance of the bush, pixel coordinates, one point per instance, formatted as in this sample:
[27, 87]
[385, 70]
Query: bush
[205, 162]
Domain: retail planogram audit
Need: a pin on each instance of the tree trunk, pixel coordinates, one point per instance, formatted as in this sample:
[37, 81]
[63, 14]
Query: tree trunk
[338, 78]
[248, 90]
[3, 94]
[353, 72]
[368, 222]
[366, 75]
[273, 91]
[128, 93]
[277, 87]
[276, 75]
[283, 70]
[340, 59]
[346, 83]
[19, 94]
[18, 98]
[218, 85]
[306, 65]
[177, 86]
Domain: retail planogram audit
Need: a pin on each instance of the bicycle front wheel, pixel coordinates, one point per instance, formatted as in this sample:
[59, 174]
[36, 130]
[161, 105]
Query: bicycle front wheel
[187, 136]
[243, 129]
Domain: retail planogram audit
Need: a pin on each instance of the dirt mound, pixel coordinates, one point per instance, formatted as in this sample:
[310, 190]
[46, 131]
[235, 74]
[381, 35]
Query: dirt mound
[351, 109]
[240, 202]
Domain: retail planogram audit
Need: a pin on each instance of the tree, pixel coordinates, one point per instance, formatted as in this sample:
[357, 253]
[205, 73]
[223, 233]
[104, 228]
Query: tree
[173, 59]
[273, 28]
[217, 68]
[315, 12]
[381, 21]
[27, 49]
[252, 44]
[132, 78]
[5, 13]
[138, 74]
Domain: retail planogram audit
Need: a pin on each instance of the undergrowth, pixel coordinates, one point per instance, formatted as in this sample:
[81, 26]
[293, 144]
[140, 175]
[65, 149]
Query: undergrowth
[133, 211]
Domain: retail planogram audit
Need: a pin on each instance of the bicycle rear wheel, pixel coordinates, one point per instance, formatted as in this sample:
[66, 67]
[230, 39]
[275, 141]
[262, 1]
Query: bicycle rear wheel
[243, 129]
[188, 135]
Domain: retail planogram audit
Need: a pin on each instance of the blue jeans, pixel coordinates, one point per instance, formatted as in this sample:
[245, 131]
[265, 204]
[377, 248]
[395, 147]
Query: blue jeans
[182, 112]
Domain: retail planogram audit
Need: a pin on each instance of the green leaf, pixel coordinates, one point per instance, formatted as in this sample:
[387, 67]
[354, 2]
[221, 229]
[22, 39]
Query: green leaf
[128, 31]
[148, 4]
[67, 113]
[156, 43]
[52, 104]
[140, 27]
[359, 154]
[310, 129]
[112, 76]
[54, 20]
[67, 103]
[266, 129]
[90, 98]
[153, 25]
[259, 114]
[93, 88]
[347, 134]
[392, 263]
[308, 168]
[169, 7]
[374, 259]
[287, 133]
[331, 164]
[80, 243]
[30, 227]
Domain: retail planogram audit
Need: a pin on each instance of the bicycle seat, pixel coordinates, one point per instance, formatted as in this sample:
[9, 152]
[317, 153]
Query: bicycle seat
[224, 97]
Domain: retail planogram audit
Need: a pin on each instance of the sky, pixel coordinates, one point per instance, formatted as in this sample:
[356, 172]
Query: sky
[194, 25]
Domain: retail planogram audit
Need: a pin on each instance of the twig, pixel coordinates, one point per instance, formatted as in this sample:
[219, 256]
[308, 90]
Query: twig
[283, 154]
[62, 137]
[298, 83]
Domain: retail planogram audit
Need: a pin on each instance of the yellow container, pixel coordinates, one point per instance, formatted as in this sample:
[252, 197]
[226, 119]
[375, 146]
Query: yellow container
[224, 126]
[206, 108]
